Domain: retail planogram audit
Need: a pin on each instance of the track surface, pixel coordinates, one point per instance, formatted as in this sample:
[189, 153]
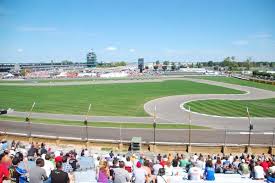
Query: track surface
[179, 136]
[169, 108]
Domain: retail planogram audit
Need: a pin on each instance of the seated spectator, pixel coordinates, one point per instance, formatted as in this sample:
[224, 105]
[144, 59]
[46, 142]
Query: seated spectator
[218, 166]
[128, 165]
[156, 168]
[31, 153]
[161, 177]
[229, 169]
[4, 172]
[48, 165]
[259, 173]
[244, 169]
[209, 172]
[43, 149]
[140, 174]
[37, 173]
[195, 172]
[265, 164]
[73, 162]
[120, 174]
[58, 157]
[66, 166]
[59, 176]
[184, 162]
[236, 163]
[17, 174]
[148, 170]
[103, 173]
[168, 169]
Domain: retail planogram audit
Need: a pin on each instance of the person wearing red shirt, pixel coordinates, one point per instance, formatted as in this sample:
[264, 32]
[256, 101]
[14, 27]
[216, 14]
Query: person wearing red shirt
[265, 165]
[4, 172]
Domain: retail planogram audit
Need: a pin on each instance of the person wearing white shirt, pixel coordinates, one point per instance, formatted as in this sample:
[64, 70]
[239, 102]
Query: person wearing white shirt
[195, 173]
[156, 167]
[48, 165]
[258, 172]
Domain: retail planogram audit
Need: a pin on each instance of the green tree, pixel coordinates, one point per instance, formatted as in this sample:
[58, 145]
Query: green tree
[164, 67]
[210, 63]
[157, 62]
[166, 62]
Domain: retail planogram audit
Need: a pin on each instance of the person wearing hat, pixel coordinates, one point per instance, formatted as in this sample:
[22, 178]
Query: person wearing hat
[244, 169]
[140, 174]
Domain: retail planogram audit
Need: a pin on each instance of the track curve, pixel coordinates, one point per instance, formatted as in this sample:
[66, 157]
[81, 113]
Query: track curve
[169, 108]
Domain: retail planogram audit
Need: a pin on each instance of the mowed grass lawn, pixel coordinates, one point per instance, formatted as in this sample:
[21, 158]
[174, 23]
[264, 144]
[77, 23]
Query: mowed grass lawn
[257, 108]
[107, 99]
[238, 82]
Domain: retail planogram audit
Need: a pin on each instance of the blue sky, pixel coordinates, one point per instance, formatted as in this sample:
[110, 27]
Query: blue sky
[178, 30]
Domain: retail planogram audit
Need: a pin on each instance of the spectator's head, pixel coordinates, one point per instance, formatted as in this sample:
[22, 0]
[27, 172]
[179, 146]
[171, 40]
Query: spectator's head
[15, 161]
[64, 159]
[128, 158]
[58, 165]
[47, 157]
[40, 162]
[121, 164]
[209, 163]
[19, 155]
[115, 162]
[175, 162]
[161, 172]
[138, 164]
[147, 163]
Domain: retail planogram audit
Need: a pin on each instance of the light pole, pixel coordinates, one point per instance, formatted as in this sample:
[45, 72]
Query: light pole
[189, 127]
[27, 119]
[155, 125]
[86, 122]
[273, 136]
[250, 127]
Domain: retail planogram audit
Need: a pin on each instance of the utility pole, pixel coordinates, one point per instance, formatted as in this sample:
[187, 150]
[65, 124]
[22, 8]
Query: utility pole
[189, 127]
[250, 127]
[155, 124]
[27, 119]
[86, 122]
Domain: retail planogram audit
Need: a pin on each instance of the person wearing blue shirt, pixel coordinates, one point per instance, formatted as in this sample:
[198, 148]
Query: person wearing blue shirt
[209, 172]
[18, 175]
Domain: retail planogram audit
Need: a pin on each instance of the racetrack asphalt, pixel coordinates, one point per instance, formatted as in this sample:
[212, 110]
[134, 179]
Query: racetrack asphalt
[162, 135]
[169, 109]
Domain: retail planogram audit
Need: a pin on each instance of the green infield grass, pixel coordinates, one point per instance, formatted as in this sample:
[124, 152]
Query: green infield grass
[102, 124]
[238, 82]
[237, 108]
[125, 99]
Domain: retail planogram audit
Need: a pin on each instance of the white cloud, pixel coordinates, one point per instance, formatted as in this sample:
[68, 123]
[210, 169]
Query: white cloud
[132, 50]
[262, 36]
[240, 42]
[111, 48]
[20, 50]
[37, 29]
